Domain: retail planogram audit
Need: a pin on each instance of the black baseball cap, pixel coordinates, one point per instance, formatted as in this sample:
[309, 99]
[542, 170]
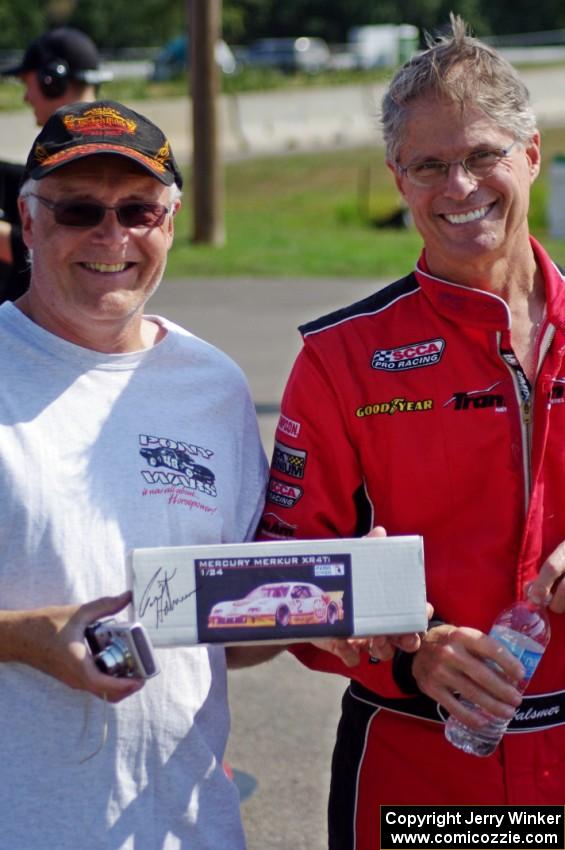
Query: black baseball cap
[65, 44]
[101, 127]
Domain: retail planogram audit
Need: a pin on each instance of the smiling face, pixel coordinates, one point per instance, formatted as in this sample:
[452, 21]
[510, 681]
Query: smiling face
[467, 225]
[89, 285]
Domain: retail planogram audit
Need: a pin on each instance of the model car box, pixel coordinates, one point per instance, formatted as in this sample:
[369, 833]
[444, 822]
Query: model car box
[280, 591]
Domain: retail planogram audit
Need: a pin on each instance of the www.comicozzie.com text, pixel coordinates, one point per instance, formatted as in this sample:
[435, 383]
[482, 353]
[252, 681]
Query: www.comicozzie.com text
[470, 827]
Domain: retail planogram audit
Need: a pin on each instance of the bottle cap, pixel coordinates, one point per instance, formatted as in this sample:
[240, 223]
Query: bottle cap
[537, 596]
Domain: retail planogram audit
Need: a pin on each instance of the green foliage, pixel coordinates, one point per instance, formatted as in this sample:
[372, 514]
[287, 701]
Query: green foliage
[140, 24]
[527, 16]
[19, 22]
[332, 19]
[242, 19]
[145, 23]
[150, 23]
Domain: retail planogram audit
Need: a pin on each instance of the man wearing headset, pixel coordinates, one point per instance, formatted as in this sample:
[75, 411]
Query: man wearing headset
[60, 67]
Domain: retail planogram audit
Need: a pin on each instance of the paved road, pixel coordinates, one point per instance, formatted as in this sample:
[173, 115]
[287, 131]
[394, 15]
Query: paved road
[283, 716]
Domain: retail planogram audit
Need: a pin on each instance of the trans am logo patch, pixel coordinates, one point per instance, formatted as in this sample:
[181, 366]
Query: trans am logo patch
[478, 400]
[415, 355]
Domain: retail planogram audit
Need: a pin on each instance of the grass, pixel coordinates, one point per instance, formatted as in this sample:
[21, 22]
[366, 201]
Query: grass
[292, 216]
[317, 214]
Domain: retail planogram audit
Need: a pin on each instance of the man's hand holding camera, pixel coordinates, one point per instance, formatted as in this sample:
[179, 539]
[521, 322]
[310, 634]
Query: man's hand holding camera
[121, 649]
[52, 640]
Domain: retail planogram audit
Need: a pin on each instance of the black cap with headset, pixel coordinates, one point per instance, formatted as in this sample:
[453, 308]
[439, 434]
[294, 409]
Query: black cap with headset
[59, 56]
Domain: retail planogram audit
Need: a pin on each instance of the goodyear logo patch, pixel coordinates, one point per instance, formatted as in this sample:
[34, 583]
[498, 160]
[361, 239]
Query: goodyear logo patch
[395, 405]
[283, 494]
[288, 460]
[415, 355]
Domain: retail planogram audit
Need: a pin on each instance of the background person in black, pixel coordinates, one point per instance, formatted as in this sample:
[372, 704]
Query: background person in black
[61, 66]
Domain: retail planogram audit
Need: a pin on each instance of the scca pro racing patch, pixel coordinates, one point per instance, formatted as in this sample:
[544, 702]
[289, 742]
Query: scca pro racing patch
[413, 356]
[283, 494]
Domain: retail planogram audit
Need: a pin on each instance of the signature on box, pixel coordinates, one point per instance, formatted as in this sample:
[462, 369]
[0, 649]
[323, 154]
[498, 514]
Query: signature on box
[158, 595]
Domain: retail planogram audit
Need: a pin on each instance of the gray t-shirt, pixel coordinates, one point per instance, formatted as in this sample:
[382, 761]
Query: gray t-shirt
[100, 454]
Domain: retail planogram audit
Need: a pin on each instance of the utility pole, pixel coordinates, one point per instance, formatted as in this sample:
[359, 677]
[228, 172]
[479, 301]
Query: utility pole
[204, 30]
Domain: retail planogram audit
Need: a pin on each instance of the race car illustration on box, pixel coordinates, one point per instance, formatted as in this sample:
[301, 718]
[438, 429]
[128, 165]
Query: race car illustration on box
[280, 604]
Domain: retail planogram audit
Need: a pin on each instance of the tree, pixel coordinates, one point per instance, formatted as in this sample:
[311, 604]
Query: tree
[19, 22]
[145, 23]
[243, 20]
[148, 23]
[332, 19]
[525, 16]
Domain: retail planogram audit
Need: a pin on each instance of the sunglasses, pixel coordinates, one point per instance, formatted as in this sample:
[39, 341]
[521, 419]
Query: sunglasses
[91, 214]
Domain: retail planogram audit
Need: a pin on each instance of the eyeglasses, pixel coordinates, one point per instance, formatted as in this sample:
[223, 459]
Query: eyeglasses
[90, 214]
[432, 172]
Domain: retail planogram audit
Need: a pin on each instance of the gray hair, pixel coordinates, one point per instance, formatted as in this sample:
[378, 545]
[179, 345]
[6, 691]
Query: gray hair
[459, 68]
[27, 191]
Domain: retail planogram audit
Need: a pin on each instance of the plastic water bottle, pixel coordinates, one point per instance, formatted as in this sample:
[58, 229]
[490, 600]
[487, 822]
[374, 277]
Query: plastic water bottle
[524, 629]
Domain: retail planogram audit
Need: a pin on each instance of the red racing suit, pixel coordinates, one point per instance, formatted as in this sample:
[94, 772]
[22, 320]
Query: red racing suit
[409, 410]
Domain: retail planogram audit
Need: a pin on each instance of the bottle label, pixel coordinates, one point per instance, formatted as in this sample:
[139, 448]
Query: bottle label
[526, 650]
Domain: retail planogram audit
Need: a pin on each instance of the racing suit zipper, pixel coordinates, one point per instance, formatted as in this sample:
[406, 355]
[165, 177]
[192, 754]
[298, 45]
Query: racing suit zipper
[524, 397]
[527, 407]
[527, 444]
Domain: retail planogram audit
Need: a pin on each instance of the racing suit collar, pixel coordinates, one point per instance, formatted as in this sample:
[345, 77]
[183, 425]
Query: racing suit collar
[463, 304]
[554, 286]
[482, 309]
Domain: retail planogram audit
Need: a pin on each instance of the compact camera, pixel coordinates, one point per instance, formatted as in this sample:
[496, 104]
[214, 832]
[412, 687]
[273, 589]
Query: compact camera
[121, 649]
